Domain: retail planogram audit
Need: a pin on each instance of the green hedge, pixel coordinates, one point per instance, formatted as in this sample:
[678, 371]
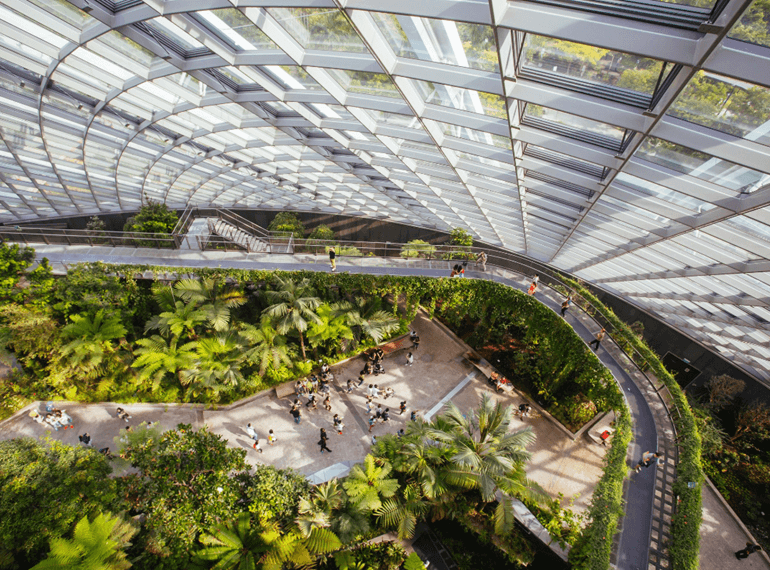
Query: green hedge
[593, 548]
[685, 524]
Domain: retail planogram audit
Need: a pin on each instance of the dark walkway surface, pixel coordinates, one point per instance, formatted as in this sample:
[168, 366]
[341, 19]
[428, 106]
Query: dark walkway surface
[634, 542]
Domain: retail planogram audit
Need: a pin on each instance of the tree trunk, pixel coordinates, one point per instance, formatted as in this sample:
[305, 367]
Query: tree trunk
[302, 345]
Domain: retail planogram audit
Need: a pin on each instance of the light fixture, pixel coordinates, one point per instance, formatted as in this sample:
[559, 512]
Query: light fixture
[80, 107]
[22, 84]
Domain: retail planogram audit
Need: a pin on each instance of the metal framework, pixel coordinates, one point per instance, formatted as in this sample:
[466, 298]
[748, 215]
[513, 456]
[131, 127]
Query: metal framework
[626, 141]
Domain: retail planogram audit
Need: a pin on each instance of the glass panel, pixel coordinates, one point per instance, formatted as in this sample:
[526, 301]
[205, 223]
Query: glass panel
[394, 119]
[473, 135]
[701, 165]
[66, 11]
[591, 63]
[292, 77]
[443, 41]
[231, 25]
[754, 25]
[319, 28]
[127, 47]
[727, 105]
[164, 27]
[575, 122]
[365, 82]
[647, 187]
[464, 99]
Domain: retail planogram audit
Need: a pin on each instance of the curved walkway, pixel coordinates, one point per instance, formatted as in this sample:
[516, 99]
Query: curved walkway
[641, 543]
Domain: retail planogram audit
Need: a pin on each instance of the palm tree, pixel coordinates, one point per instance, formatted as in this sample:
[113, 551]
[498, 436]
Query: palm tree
[329, 330]
[156, 358]
[241, 545]
[268, 347]
[487, 457]
[218, 365]
[90, 349]
[365, 316]
[403, 511]
[95, 545]
[182, 319]
[328, 506]
[216, 299]
[367, 482]
[292, 307]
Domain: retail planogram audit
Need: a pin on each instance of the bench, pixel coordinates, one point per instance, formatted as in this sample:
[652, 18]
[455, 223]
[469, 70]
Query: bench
[604, 425]
[285, 389]
[482, 365]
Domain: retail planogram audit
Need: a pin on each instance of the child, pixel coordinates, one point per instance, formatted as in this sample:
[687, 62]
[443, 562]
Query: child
[388, 392]
[257, 446]
[271, 439]
[328, 404]
[338, 425]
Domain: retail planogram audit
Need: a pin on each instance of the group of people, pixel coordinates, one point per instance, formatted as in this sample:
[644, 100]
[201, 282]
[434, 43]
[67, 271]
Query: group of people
[458, 269]
[54, 417]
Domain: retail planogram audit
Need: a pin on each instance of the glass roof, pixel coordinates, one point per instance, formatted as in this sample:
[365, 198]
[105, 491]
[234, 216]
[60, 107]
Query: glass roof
[638, 160]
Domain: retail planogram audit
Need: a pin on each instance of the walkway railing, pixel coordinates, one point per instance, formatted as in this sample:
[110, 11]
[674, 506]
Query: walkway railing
[32, 235]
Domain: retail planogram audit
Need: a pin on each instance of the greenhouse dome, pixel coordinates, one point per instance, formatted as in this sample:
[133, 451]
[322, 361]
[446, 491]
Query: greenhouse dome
[625, 142]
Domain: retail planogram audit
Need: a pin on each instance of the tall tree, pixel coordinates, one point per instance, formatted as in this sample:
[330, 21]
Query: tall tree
[156, 358]
[91, 352]
[243, 545]
[95, 545]
[368, 482]
[293, 306]
[45, 486]
[219, 365]
[267, 347]
[180, 321]
[365, 316]
[330, 331]
[216, 298]
[487, 457]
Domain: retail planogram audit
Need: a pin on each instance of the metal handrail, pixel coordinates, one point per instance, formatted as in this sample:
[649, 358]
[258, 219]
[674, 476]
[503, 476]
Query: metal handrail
[243, 223]
[33, 235]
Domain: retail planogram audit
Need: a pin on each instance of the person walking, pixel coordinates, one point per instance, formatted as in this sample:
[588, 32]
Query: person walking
[376, 391]
[402, 407]
[361, 379]
[371, 390]
[750, 549]
[332, 259]
[415, 342]
[324, 447]
[648, 458]
[565, 305]
[481, 259]
[374, 440]
[350, 385]
[328, 403]
[599, 338]
[532, 289]
[409, 359]
[311, 401]
[378, 412]
[257, 447]
[536, 279]
[413, 416]
[271, 439]
[338, 425]
[369, 405]
[252, 434]
[371, 423]
[297, 415]
[85, 439]
[385, 415]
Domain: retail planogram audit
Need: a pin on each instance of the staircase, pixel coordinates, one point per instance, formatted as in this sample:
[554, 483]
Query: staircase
[238, 236]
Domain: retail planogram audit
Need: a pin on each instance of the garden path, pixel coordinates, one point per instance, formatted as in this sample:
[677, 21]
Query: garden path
[639, 545]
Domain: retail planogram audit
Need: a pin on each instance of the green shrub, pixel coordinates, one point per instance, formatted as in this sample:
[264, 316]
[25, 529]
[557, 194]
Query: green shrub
[287, 224]
[322, 232]
[418, 248]
[685, 524]
[153, 218]
[592, 550]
